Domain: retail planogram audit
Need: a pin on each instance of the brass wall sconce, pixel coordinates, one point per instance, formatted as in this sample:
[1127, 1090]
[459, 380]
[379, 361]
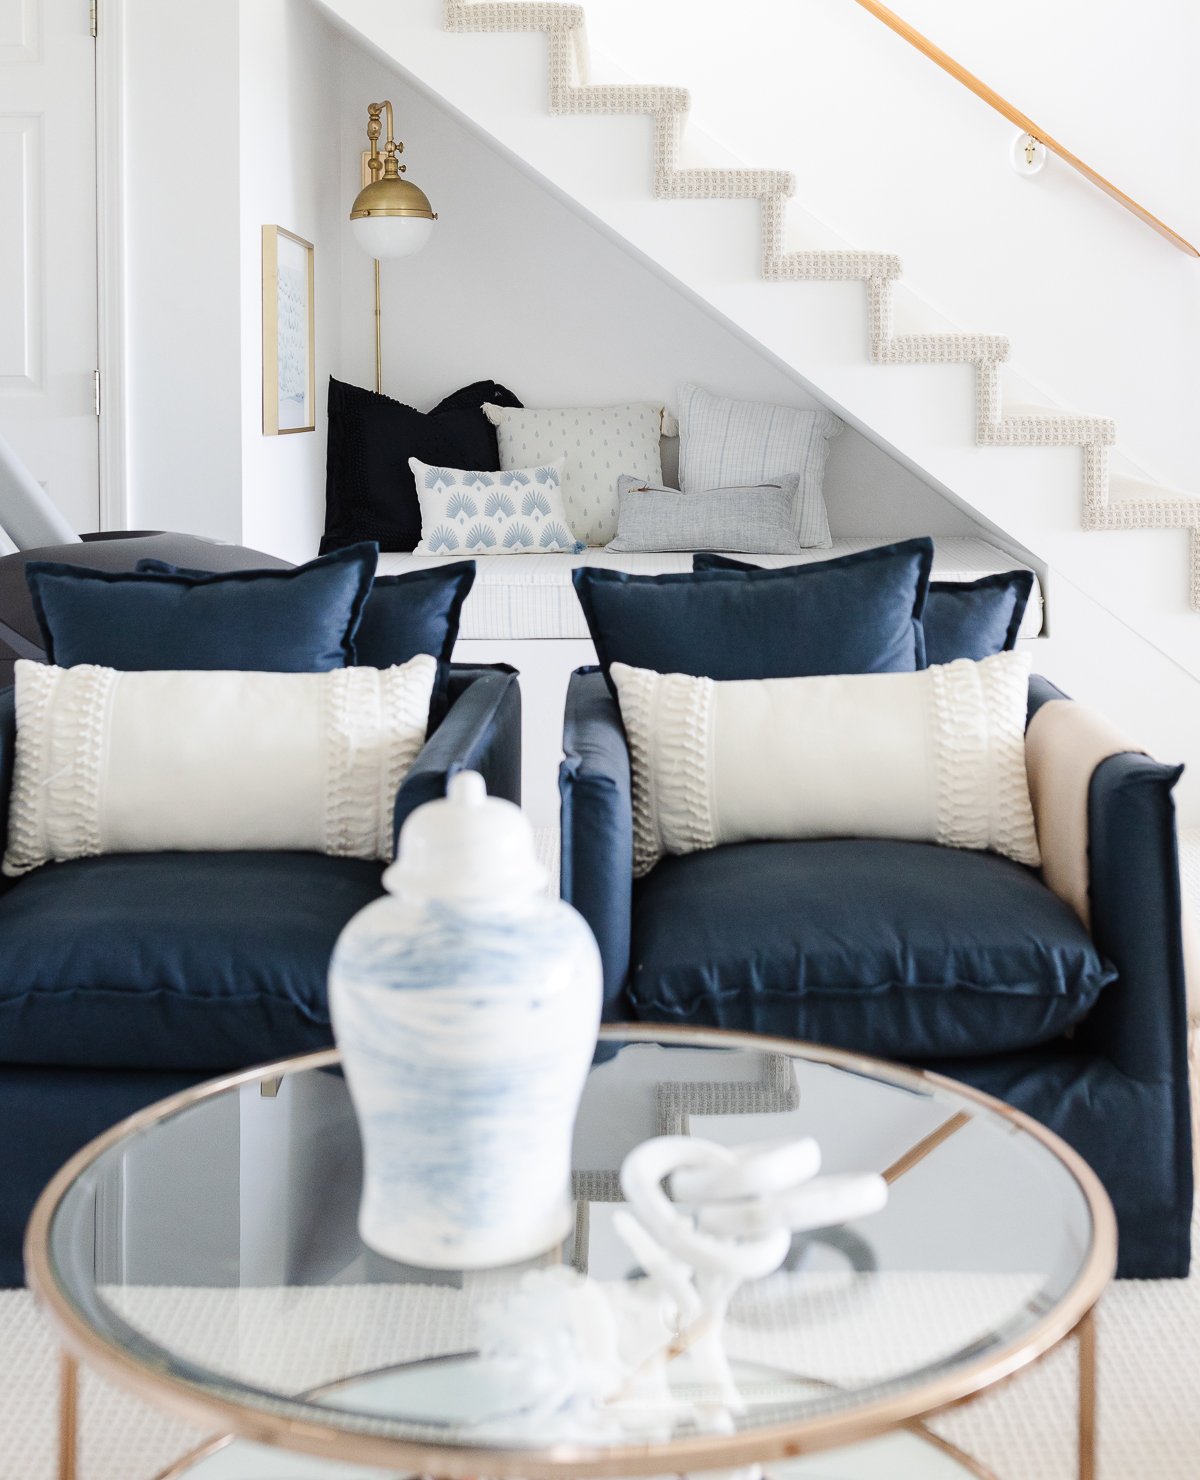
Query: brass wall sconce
[391, 217]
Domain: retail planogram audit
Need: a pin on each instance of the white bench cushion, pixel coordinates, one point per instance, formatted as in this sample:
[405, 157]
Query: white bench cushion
[531, 596]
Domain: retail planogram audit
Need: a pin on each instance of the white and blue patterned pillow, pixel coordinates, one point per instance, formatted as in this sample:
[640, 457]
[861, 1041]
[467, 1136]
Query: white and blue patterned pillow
[468, 513]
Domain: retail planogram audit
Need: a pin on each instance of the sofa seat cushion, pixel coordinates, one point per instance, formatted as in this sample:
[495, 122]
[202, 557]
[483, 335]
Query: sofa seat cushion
[173, 960]
[905, 950]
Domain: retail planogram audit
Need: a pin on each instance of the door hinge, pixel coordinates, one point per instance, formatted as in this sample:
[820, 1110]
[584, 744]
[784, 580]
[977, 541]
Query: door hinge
[94, 17]
[96, 390]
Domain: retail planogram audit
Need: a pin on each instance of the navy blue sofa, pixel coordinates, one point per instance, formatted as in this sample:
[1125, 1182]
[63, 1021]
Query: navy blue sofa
[958, 961]
[128, 977]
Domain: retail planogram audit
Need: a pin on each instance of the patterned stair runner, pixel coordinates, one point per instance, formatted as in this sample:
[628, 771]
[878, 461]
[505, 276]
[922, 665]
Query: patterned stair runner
[668, 108]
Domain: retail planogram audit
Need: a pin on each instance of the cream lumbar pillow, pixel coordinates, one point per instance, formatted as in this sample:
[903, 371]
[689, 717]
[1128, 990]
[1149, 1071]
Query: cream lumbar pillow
[112, 762]
[467, 511]
[936, 756]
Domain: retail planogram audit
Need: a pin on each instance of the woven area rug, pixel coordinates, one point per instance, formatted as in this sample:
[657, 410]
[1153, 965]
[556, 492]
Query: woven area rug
[1149, 1343]
[1149, 1404]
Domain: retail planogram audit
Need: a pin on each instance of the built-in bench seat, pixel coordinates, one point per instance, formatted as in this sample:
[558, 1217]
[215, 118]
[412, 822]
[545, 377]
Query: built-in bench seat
[523, 597]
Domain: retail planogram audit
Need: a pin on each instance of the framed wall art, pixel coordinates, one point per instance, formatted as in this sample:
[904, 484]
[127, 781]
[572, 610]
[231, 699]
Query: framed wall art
[289, 353]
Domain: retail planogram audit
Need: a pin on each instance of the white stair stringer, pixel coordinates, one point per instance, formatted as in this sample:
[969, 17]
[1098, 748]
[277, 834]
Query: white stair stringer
[668, 108]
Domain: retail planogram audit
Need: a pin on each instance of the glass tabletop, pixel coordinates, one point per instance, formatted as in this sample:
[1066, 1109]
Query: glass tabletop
[207, 1253]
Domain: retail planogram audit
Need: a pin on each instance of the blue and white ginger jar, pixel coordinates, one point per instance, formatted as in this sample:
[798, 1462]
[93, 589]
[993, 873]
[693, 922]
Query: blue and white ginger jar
[466, 1004]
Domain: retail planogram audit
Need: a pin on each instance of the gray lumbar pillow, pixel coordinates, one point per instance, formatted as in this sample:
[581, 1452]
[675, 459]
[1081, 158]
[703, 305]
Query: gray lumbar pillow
[754, 520]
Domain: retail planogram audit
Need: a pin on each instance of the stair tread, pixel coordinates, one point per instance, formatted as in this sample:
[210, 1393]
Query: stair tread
[1125, 485]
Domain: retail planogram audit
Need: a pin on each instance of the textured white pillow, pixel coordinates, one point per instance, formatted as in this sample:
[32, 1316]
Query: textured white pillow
[594, 445]
[112, 762]
[725, 443]
[519, 512]
[936, 756]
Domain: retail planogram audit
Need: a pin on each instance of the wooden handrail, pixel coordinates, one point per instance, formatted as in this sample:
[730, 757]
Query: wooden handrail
[1014, 115]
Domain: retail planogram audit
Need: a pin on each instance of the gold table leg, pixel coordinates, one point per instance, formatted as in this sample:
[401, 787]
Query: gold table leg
[1085, 1334]
[68, 1417]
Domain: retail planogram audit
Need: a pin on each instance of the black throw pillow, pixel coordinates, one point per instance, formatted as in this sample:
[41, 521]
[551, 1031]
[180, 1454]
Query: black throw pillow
[369, 488]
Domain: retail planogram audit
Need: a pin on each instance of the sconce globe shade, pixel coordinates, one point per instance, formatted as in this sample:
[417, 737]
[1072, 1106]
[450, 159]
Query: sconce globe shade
[391, 236]
[392, 218]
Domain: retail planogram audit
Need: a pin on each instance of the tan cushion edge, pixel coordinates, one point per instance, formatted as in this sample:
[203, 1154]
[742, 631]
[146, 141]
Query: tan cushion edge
[1064, 744]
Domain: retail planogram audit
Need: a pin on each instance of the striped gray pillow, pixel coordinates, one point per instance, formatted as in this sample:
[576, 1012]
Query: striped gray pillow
[753, 520]
[725, 443]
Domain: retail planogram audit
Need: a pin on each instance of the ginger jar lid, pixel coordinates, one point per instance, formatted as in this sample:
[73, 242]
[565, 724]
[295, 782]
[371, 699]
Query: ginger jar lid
[466, 846]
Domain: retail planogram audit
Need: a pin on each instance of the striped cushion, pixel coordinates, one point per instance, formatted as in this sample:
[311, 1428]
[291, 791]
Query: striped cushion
[724, 444]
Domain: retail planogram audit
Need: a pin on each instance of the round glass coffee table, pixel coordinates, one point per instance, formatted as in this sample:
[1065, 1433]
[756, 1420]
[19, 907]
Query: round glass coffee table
[204, 1254]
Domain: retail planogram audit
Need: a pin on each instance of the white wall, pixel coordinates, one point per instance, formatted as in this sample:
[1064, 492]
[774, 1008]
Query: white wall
[230, 124]
[289, 156]
[516, 286]
[182, 267]
[255, 114]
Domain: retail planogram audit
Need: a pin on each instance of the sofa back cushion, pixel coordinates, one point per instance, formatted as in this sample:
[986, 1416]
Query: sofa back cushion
[962, 619]
[860, 613]
[302, 620]
[974, 619]
[417, 612]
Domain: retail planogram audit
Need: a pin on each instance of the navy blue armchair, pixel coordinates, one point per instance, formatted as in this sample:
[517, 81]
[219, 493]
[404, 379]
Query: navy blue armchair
[957, 961]
[128, 977]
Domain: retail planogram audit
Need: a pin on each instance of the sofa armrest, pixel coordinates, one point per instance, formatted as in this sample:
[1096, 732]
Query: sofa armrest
[1140, 1022]
[1106, 829]
[8, 757]
[481, 732]
[1106, 826]
[597, 826]
[1041, 691]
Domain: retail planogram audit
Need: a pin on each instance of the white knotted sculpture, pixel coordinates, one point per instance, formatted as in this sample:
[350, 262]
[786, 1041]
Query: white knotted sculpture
[593, 1355]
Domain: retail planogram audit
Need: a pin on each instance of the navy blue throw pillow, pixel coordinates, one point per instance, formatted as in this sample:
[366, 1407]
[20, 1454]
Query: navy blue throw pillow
[369, 489]
[417, 612]
[860, 613]
[975, 619]
[963, 619]
[301, 620]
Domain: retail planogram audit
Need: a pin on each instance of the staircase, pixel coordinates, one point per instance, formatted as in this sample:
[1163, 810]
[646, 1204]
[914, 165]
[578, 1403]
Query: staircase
[1121, 630]
[570, 92]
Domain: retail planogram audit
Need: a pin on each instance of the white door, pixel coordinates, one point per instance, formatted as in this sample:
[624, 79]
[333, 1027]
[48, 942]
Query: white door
[48, 249]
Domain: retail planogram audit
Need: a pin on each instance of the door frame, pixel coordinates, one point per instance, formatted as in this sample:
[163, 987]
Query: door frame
[110, 263]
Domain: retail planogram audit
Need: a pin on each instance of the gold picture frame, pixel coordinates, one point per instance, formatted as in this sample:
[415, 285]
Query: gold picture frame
[289, 355]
